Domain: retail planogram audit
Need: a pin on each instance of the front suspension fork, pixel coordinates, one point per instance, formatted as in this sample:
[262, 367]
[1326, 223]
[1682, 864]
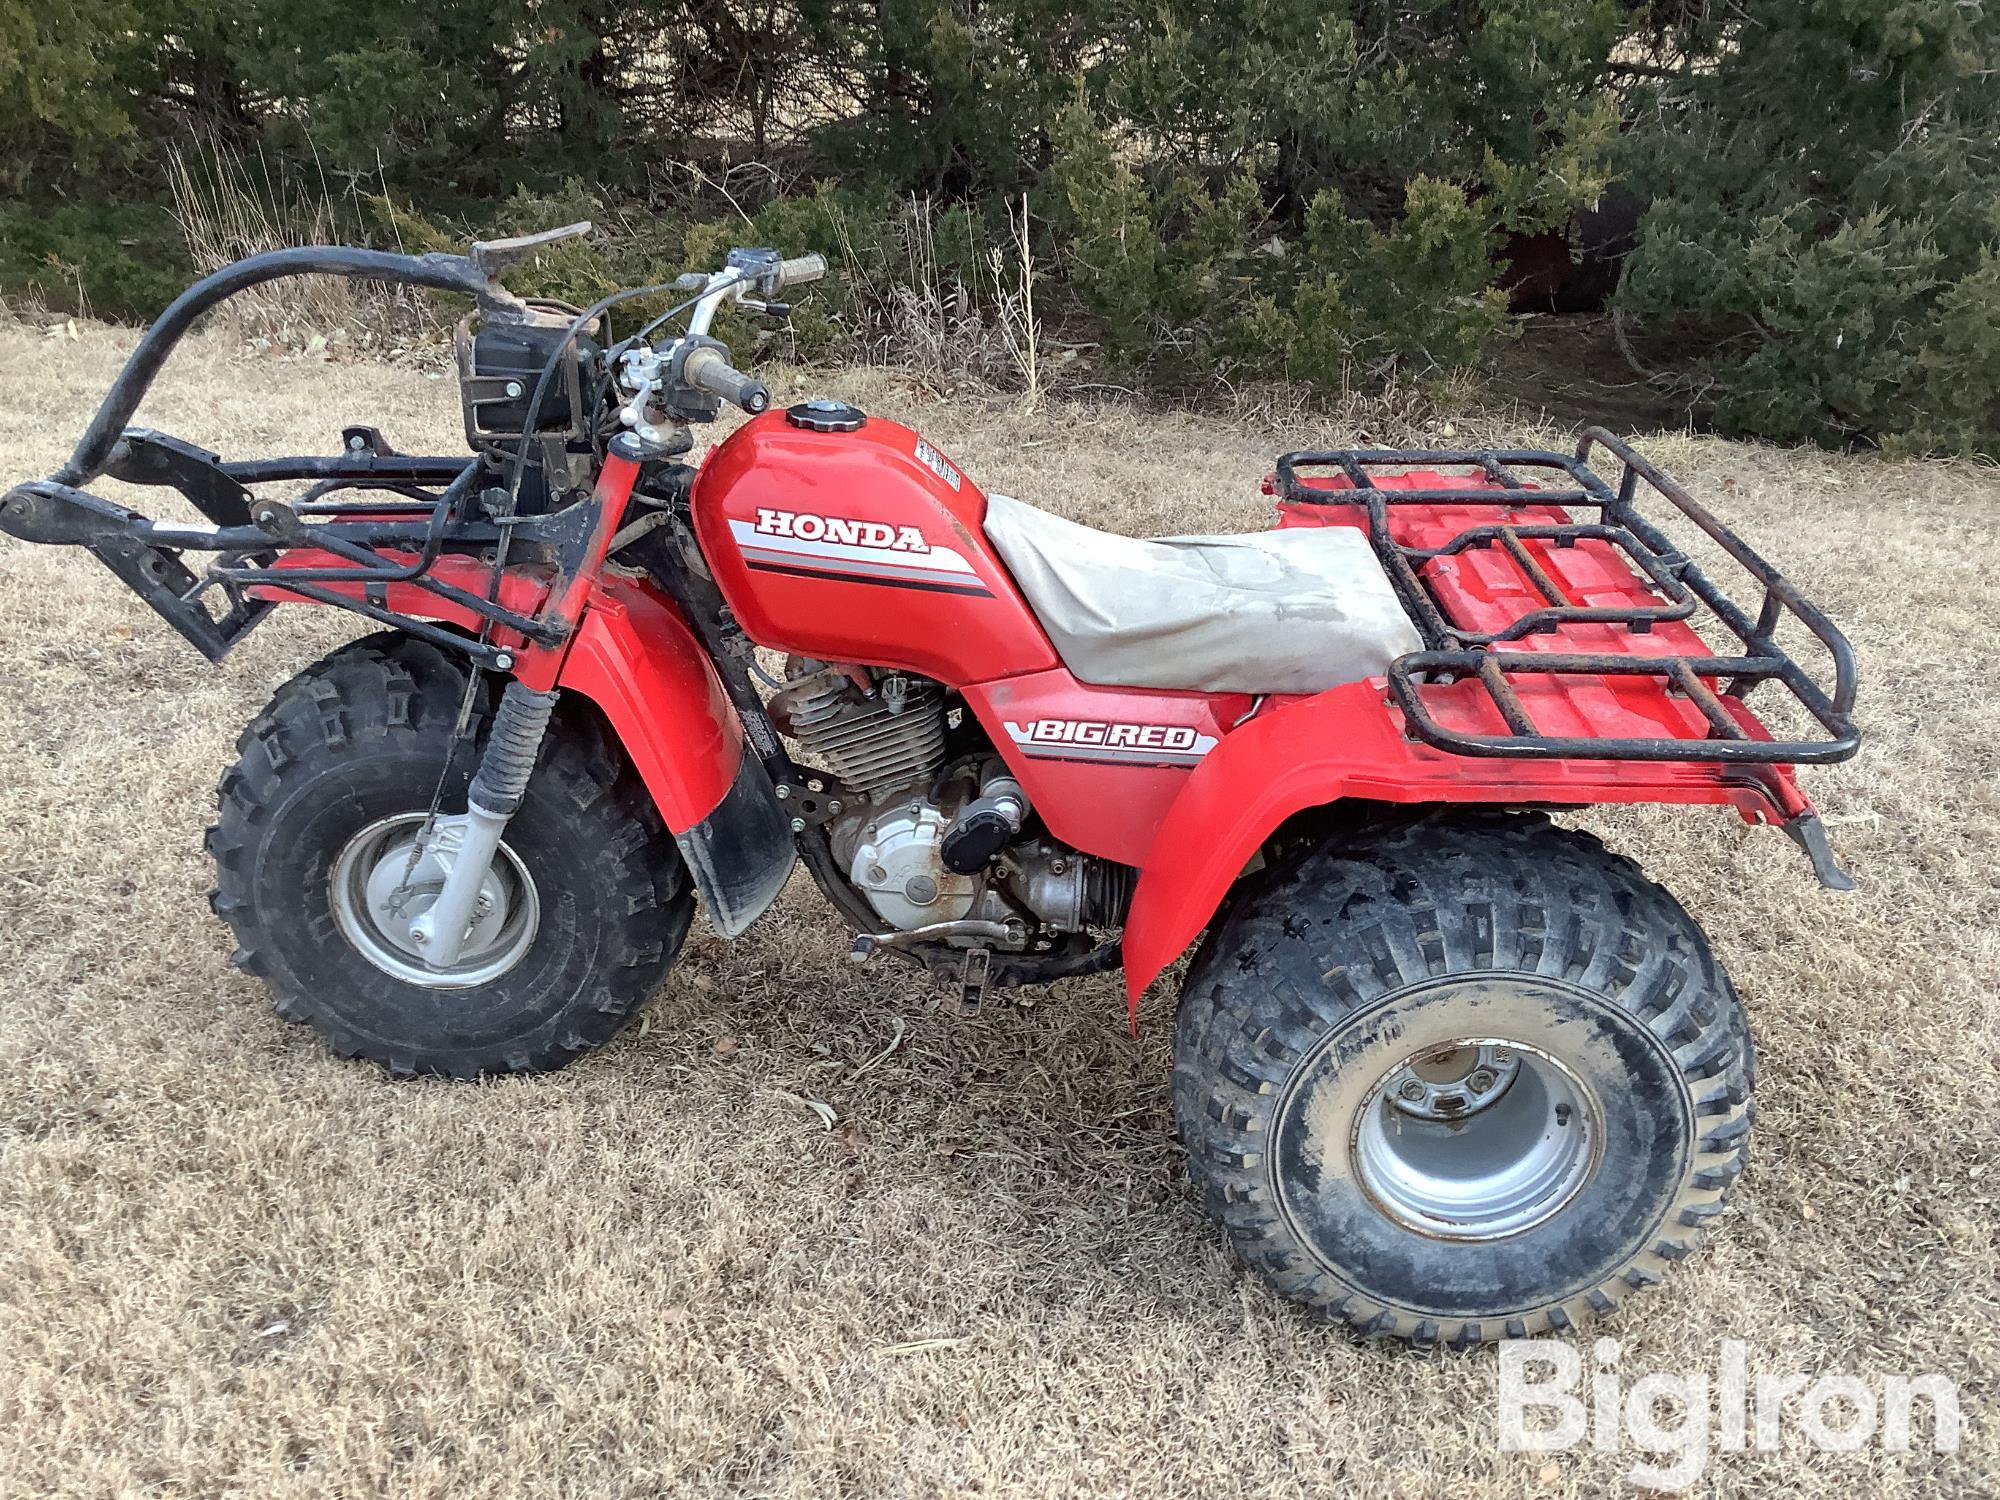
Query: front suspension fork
[523, 719]
[493, 798]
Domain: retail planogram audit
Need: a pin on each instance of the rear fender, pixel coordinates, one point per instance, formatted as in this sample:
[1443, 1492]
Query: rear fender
[1349, 743]
[634, 657]
[1242, 790]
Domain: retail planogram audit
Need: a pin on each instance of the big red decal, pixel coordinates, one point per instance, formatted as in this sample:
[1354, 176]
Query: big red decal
[1125, 744]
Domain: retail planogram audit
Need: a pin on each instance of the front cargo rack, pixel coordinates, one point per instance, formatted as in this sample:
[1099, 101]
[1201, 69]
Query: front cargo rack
[390, 526]
[1628, 589]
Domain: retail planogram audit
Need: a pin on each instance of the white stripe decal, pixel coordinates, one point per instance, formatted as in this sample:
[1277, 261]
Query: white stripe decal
[938, 560]
[1110, 757]
[872, 568]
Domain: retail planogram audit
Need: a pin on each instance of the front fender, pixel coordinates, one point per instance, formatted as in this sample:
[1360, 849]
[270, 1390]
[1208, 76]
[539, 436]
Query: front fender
[635, 658]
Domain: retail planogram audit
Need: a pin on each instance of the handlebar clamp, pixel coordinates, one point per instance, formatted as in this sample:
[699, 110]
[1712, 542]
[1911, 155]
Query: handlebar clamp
[759, 267]
[767, 273]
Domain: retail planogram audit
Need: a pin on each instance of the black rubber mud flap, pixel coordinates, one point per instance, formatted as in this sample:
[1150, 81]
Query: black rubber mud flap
[742, 853]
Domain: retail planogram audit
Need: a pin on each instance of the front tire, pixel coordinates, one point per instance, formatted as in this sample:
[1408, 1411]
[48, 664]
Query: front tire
[1466, 1079]
[582, 916]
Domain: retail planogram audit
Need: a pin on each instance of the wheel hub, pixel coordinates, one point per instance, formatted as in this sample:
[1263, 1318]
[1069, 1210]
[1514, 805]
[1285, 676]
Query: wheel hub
[1476, 1139]
[383, 881]
[1449, 1083]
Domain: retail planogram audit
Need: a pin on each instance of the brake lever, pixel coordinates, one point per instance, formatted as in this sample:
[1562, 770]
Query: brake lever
[782, 311]
[494, 256]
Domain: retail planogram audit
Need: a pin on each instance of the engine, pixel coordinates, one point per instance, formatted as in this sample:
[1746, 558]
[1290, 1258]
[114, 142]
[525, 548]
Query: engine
[930, 837]
[878, 737]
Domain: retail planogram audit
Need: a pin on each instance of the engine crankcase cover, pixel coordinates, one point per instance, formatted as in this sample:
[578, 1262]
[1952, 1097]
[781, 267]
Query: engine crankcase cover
[898, 866]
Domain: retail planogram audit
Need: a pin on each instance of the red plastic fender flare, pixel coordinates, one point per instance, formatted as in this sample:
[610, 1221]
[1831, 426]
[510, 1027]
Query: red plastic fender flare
[633, 655]
[1257, 777]
[1348, 742]
[637, 660]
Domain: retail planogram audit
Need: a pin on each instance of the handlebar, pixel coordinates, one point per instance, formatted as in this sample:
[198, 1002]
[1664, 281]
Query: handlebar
[706, 370]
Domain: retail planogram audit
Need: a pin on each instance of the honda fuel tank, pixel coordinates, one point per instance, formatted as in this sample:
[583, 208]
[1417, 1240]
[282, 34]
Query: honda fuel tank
[861, 542]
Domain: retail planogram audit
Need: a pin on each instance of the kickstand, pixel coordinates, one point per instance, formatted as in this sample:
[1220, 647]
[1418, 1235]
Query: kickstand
[974, 977]
[1809, 833]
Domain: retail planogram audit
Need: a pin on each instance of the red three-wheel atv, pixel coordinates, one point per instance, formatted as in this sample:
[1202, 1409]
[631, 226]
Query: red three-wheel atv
[1444, 1069]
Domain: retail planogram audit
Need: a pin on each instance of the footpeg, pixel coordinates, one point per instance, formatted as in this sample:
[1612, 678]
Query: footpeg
[975, 977]
[965, 993]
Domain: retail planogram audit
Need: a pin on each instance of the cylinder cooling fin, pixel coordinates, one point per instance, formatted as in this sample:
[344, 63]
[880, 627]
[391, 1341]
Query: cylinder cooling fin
[877, 740]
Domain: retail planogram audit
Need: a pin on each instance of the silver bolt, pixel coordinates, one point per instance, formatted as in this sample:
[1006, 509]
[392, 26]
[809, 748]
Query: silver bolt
[1412, 1090]
[814, 784]
[1057, 866]
[504, 661]
[419, 936]
[784, 792]
[833, 806]
[798, 825]
[1480, 1081]
[514, 391]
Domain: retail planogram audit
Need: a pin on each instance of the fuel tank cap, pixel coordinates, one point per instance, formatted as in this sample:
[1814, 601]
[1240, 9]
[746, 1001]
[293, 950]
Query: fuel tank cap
[826, 416]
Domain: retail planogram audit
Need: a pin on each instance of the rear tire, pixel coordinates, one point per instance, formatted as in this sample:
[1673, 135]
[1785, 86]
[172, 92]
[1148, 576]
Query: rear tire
[1465, 1079]
[355, 745]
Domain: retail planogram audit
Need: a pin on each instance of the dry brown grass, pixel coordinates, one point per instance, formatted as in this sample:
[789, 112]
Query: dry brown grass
[229, 206]
[232, 1265]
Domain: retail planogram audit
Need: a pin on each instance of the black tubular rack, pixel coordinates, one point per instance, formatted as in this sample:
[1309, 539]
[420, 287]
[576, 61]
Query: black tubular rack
[1453, 653]
[412, 510]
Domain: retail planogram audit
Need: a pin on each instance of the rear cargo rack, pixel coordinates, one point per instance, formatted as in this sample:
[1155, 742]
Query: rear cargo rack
[1669, 589]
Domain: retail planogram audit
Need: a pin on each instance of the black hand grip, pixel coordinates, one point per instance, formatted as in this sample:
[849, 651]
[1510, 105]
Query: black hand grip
[707, 370]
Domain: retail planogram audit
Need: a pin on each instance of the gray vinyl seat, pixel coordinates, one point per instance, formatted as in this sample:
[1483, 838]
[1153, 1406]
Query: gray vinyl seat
[1297, 610]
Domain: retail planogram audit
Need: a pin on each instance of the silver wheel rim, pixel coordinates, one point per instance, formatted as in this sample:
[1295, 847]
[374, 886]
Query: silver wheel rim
[1476, 1139]
[376, 892]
